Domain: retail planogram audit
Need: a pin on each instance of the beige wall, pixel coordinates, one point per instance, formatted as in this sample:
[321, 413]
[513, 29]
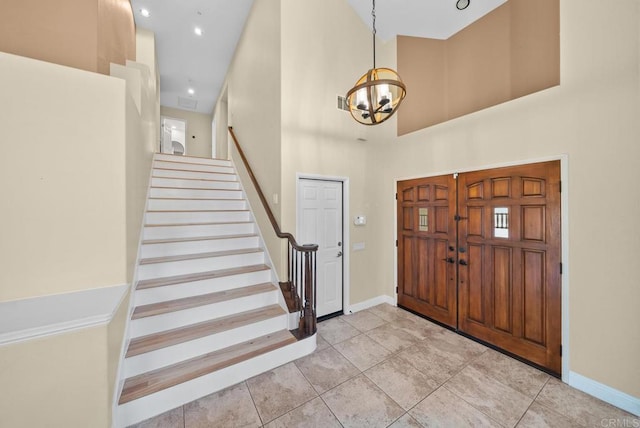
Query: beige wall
[510, 52]
[57, 381]
[198, 133]
[78, 33]
[592, 117]
[253, 95]
[317, 138]
[65, 214]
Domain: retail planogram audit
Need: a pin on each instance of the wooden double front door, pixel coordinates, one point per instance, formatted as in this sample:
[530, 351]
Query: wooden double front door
[480, 252]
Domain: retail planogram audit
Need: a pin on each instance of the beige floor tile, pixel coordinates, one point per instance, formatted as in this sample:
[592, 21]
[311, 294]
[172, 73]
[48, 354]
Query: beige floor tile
[230, 407]
[313, 414]
[401, 381]
[417, 327]
[455, 343]
[171, 419]
[502, 403]
[583, 408]
[326, 369]
[513, 373]
[360, 403]
[434, 362]
[321, 343]
[405, 421]
[541, 417]
[392, 338]
[336, 330]
[362, 351]
[389, 312]
[444, 409]
[279, 391]
[364, 320]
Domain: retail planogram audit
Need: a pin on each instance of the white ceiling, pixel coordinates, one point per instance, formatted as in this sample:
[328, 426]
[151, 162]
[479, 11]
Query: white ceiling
[201, 62]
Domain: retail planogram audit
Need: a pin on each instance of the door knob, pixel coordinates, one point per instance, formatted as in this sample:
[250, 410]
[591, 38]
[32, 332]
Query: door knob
[339, 254]
[463, 262]
[450, 260]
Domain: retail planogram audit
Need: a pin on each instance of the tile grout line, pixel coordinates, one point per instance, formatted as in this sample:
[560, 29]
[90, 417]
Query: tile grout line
[534, 400]
[254, 402]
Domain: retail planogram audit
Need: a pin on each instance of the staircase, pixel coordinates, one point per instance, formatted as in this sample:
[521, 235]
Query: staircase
[207, 313]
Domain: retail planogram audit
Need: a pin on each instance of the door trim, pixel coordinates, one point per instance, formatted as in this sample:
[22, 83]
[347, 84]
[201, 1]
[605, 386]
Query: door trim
[346, 254]
[564, 245]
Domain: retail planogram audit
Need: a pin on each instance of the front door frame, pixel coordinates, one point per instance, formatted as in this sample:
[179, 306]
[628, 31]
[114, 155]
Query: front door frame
[564, 245]
[345, 229]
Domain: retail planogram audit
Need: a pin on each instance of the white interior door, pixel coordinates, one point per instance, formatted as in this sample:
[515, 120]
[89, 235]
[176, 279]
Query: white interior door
[320, 222]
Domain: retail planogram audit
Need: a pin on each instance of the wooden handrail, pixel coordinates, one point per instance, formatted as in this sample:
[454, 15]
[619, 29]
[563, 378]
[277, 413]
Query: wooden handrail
[272, 219]
[301, 261]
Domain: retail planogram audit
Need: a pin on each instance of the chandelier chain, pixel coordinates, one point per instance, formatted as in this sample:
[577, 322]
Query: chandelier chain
[373, 16]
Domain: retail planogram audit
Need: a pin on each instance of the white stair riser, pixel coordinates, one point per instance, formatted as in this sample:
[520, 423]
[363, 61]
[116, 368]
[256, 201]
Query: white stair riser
[183, 351]
[156, 192]
[189, 159]
[174, 217]
[168, 321]
[200, 246]
[172, 173]
[144, 408]
[192, 167]
[195, 288]
[190, 231]
[193, 184]
[183, 267]
[195, 204]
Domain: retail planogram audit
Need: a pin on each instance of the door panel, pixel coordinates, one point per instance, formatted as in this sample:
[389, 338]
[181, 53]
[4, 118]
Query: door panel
[520, 286]
[320, 214]
[426, 231]
[505, 288]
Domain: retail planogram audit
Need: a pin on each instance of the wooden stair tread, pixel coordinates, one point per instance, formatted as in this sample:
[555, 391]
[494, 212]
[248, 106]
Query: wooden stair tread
[199, 300]
[196, 256]
[197, 199]
[195, 188]
[166, 377]
[198, 238]
[200, 276]
[209, 223]
[195, 179]
[180, 161]
[197, 211]
[194, 170]
[152, 342]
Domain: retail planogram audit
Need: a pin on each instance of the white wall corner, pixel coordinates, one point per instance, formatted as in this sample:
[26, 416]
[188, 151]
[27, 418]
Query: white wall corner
[605, 393]
[370, 303]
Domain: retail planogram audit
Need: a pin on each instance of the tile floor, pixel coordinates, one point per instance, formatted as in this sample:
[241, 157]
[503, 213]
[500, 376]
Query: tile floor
[385, 367]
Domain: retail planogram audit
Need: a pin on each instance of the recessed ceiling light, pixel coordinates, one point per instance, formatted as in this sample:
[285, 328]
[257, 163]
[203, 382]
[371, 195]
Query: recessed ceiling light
[463, 4]
[145, 13]
[173, 127]
[198, 31]
[191, 91]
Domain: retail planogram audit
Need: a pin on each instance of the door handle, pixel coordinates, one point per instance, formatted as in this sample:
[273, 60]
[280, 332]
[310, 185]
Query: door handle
[339, 254]
[463, 262]
[450, 260]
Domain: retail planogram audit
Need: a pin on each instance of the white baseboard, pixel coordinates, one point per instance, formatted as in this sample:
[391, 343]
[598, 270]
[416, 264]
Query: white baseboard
[605, 393]
[43, 316]
[370, 303]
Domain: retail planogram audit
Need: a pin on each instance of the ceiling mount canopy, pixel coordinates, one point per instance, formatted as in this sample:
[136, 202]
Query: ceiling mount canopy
[462, 4]
[378, 93]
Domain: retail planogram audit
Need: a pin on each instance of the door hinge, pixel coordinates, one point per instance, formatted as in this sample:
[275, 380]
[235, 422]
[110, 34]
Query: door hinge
[560, 268]
[396, 242]
[560, 186]
[396, 290]
[396, 196]
[561, 350]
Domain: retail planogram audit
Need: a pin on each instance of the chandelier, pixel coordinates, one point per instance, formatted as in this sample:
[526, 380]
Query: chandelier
[378, 93]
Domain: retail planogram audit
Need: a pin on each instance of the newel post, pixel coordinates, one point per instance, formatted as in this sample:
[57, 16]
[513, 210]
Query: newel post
[308, 321]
